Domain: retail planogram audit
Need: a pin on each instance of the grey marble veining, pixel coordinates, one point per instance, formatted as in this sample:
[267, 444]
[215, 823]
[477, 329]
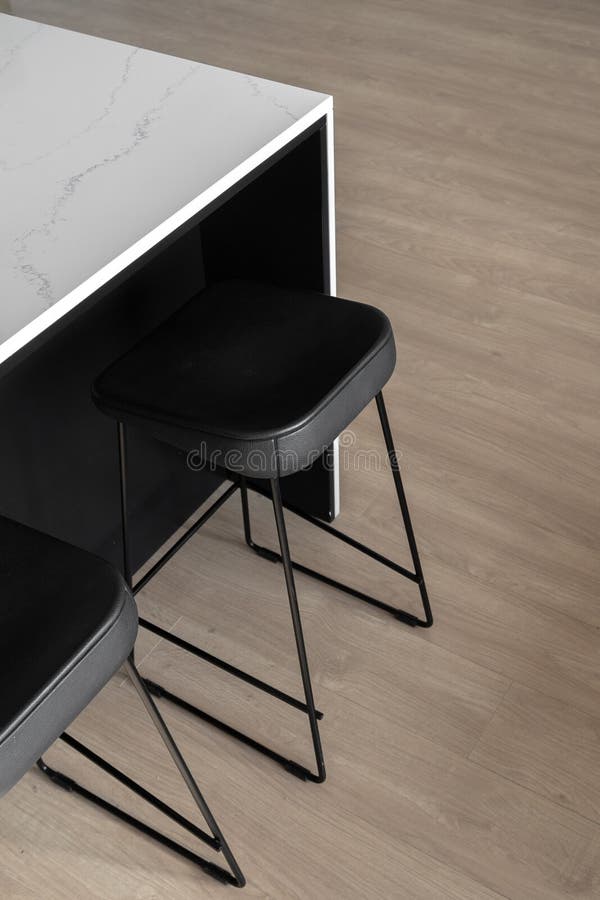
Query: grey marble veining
[104, 146]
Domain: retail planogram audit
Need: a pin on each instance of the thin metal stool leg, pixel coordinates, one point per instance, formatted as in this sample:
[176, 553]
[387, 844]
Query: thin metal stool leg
[260, 551]
[298, 633]
[122, 444]
[184, 771]
[159, 690]
[215, 840]
[417, 577]
[410, 535]
[308, 707]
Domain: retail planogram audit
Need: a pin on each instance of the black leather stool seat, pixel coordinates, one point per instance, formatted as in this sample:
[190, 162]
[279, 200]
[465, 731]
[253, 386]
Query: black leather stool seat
[258, 376]
[67, 622]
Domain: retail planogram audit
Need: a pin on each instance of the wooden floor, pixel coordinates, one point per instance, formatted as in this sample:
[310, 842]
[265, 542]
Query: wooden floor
[464, 761]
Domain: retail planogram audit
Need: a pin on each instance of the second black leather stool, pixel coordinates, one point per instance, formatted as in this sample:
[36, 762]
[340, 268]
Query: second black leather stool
[259, 380]
[67, 623]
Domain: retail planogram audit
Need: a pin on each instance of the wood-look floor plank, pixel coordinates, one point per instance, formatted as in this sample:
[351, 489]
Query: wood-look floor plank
[290, 821]
[546, 745]
[444, 697]
[463, 761]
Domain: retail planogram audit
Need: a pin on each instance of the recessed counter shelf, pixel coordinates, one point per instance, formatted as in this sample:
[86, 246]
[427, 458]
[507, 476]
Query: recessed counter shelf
[129, 181]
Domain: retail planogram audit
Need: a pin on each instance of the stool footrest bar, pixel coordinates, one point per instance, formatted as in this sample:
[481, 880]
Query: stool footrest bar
[140, 791]
[68, 784]
[400, 614]
[227, 667]
[295, 768]
[170, 553]
[334, 532]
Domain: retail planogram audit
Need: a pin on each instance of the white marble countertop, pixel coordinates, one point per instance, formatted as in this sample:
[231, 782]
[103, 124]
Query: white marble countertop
[105, 149]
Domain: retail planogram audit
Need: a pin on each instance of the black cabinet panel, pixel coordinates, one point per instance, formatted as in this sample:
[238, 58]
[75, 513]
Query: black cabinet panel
[58, 454]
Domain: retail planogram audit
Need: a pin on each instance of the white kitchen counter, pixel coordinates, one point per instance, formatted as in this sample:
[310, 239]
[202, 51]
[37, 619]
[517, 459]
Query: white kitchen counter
[106, 149]
[129, 181]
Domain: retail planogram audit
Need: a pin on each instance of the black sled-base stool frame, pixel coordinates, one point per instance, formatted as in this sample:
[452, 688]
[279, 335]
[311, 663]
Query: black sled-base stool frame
[270, 375]
[308, 706]
[68, 622]
[416, 576]
[274, 493]
[215, 839]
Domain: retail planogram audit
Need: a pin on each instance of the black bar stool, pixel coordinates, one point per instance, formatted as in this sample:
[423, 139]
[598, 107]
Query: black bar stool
[256, 381]
[68, 621]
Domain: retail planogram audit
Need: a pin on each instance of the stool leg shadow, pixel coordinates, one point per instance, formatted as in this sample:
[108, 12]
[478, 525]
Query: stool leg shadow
[215, 839]
[417, 576]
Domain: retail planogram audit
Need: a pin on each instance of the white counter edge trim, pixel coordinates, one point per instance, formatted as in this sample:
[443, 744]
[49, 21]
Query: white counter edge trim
[333, 283]
[88, 287]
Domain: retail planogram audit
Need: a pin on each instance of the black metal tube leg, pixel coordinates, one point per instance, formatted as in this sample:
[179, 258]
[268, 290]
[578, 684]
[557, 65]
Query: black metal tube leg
[122, 441]
[122, 445]
[184, 771]
[297, 623]
[215, 839]
[412, 543]
[258, 549]
[246, 512]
